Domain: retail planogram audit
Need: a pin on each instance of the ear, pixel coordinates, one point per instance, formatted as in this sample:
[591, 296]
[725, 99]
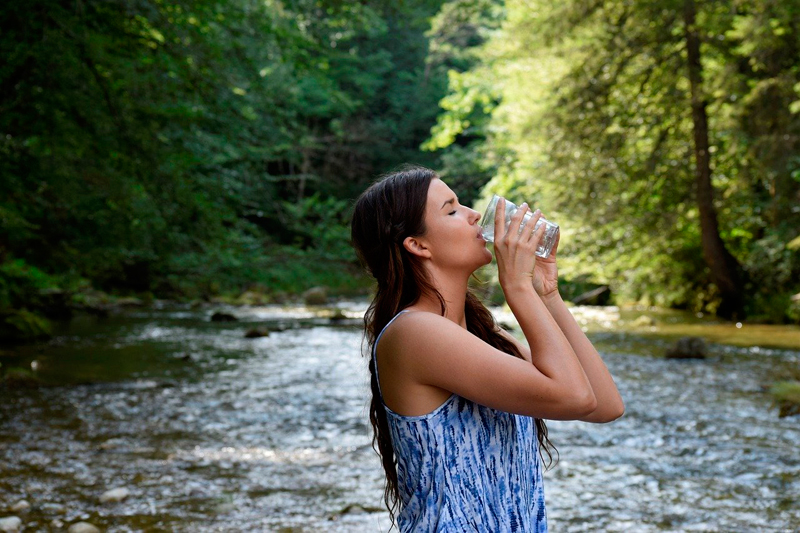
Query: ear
[416, 247]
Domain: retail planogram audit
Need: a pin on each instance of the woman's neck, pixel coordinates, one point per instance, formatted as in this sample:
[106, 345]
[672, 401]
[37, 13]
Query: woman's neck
[454, 291]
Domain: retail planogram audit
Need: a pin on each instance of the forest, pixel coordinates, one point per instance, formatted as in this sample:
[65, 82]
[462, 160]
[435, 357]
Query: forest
[159, 149]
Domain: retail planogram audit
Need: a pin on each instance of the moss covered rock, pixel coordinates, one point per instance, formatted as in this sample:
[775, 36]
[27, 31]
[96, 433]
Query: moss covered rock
[21, 325]
[786, 395]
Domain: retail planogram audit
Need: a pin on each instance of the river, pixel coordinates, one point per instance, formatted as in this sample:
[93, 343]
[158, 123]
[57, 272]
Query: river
[212, 431]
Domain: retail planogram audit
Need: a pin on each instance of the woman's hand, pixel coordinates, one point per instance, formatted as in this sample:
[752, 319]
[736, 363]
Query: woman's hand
[515, 250]
[545, 272]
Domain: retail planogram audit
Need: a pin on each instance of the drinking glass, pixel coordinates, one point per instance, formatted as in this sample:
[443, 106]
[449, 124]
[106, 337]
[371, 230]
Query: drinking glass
[550, 232]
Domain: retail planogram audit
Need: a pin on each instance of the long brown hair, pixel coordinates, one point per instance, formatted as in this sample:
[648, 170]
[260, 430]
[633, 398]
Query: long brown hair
[390, 210]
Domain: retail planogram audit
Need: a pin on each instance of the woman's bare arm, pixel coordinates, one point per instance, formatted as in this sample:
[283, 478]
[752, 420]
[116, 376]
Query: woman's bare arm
[609, 402]
[432, 350]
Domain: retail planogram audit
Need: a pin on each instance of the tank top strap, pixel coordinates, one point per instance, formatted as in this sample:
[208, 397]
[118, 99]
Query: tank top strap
[375, 348]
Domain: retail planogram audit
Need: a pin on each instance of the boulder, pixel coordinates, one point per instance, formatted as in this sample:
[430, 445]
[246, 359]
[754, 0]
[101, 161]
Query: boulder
[219, 316]
[255, 333]
[252, 297]
[316, 296]
[20, 378]
[21, 325]
[687, 348]
[644, 321]
[786, 395]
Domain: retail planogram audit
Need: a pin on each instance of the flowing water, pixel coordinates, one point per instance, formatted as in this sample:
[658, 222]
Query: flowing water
[211, 431]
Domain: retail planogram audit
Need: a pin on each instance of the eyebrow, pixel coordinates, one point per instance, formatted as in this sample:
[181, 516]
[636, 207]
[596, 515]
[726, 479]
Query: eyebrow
[450, 201]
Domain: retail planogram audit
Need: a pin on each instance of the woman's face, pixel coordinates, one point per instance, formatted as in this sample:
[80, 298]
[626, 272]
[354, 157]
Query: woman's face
[453, 235]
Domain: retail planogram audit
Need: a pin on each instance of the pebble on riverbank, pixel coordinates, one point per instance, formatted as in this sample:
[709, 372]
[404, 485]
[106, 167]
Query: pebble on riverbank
[82, 527]
[786, 395]
[21, 505]
[687, 348]
[10, 524]
[115, 495]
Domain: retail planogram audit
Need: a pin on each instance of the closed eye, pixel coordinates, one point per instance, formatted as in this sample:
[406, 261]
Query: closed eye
[452, 212]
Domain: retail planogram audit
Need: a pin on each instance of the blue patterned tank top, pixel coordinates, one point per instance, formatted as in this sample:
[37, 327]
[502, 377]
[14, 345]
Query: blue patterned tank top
[466, 467]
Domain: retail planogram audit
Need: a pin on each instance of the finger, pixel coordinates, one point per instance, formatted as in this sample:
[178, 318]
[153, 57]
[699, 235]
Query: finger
[536, 236]
[499, 218]
[516, 219]
[532, 224]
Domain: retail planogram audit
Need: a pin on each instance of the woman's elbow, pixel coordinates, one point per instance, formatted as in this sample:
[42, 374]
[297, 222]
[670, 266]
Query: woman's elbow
[609, 414]
[587, 403]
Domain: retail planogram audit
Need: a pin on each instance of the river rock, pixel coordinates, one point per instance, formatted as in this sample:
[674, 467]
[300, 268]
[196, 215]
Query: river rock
[55, 523]
[82, 527]
[337, 316]
[21, 325]
[20, 506]
[644, 321]
[786, 394]
[353, 508]
[223, 317]
[10, 524]
[687, 348]
[252, 297]
[129, 301]
[115, 495]
[254, 333]
[21, 377]
[316, 296]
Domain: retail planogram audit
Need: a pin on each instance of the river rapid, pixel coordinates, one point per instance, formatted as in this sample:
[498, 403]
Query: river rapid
[212, 431]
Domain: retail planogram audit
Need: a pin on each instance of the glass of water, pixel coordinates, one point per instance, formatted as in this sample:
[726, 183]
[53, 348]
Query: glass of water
[550, 232]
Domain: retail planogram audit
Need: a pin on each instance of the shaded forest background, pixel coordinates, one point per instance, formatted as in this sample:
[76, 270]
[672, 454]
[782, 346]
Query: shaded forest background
[189, 150]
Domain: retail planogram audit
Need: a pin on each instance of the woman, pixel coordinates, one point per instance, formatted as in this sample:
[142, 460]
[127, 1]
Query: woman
[457, 421]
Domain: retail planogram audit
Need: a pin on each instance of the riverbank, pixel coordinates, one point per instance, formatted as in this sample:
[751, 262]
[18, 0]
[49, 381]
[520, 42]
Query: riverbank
[203, 427]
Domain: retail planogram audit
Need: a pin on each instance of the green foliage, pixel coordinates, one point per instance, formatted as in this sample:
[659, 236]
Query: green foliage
[592, 121]
[23, 325]
[19, 281]
[181, 148]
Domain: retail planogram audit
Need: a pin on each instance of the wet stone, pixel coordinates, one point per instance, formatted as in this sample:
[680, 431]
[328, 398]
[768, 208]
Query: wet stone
[687, 348]
[219, 316]
[115, 495]
[83, 527]
[10, 524]
[256, 332]
[21, 505]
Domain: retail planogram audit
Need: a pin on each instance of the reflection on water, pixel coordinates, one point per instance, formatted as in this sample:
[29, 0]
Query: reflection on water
[211, 431]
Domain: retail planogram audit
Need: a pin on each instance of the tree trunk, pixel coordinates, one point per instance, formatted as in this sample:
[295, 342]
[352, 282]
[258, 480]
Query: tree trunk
[726, 273]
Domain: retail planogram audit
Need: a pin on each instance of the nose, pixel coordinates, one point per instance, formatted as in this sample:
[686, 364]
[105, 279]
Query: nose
[475, 215]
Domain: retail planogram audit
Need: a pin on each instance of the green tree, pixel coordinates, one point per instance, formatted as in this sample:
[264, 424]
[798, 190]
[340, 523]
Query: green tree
[636, 124]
